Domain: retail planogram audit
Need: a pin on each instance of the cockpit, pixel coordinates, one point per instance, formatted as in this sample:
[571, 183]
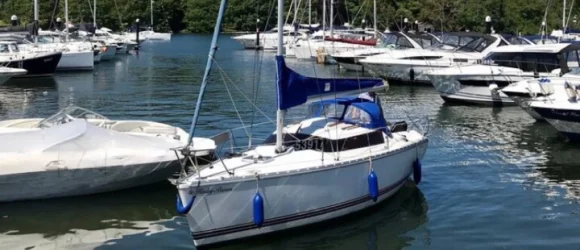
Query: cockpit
[69, 114]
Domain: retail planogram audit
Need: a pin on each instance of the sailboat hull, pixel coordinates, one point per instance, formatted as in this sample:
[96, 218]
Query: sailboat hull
[224, 212]
[76, 61]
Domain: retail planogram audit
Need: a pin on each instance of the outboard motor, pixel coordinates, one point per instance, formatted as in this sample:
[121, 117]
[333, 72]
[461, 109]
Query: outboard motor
[488, 25]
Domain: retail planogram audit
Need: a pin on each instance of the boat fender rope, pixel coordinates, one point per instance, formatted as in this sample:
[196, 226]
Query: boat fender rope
[184, 209]
[417, 171]
[373, 185]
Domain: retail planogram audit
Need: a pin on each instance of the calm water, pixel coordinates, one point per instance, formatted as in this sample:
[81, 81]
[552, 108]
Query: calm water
[493, 178]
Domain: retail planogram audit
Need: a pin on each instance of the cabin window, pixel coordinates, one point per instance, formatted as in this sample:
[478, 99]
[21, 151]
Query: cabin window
[425, 43]
[389, 39]
[504, 43]
[308, 142]
[357, 116]
[13, 48]
[4, 48]
[477, 45]
[529, 62]
[326, 110]
[404, 42]
[572, 58]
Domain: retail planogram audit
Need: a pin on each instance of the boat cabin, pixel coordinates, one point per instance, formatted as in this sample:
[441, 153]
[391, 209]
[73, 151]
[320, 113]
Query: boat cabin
[540, 58]
[358, 121]
[484, 44]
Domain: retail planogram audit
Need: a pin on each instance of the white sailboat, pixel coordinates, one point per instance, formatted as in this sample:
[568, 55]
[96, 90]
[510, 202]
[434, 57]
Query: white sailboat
[321, 168]
[150, 34]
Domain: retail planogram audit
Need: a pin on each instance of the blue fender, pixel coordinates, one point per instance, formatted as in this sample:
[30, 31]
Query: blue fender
[179, 205]
[417, 171]
[258, 202]
[373, 185]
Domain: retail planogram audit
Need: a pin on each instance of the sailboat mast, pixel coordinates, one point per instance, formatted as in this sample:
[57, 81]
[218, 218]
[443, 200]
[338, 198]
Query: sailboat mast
[36, 21]
[375, 18]
[66, 19]
[280, 113]
[95, 14]
[331, 19]
[564, 17]
[309, 13]
[323, 19]
[213, 48]
[151, 15]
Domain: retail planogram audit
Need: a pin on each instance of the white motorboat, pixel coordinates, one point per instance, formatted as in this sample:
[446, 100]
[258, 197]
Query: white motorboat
[36, 64]
[349, 60]
[7, 73]
[410, 66]
[331, 164]
[540, 89]
[78, 152]
[481, 83]
[562, 112]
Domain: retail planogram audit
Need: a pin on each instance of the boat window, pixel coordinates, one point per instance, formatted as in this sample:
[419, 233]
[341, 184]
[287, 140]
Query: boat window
[4, 48]
[357, 116]
[504, 43]
[572, 58]
[389, 39]
[14, 48]
[326, 110]
[308, 142]
[530, 62]
[477, 45]
[404, 42]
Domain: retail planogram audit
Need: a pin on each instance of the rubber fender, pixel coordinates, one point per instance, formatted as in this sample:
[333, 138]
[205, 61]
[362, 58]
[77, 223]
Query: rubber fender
[373, 185]
[258, 202]
[184, 209]
[417, 171]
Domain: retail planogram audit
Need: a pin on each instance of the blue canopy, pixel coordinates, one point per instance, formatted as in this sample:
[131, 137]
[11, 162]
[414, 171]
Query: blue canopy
[294, 89]
[376, 119]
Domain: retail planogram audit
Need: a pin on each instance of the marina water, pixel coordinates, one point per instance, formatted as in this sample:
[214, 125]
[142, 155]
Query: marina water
[492, 177]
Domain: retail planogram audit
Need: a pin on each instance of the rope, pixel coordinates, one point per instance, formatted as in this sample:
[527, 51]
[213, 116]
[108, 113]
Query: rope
[234, 104]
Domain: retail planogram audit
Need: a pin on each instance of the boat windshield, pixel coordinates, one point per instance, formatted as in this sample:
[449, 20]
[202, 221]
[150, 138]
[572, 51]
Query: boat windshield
[476, 45]
[329, 109]
[69, 114]
[451, 42]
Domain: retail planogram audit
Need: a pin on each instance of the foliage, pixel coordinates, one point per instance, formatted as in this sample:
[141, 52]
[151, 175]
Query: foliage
[509, 16]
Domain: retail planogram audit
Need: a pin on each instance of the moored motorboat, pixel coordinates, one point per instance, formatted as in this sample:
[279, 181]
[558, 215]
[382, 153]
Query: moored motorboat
[481, 83]
[36, 64]
[563, 112]
[78, 152]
